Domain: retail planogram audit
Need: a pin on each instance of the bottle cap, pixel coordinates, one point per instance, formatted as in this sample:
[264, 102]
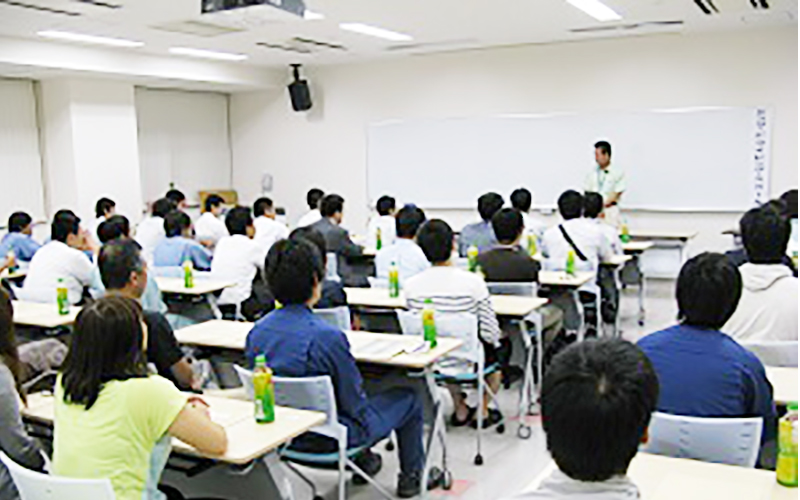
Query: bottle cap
[428, 301]
[792, 405]
[261, 360]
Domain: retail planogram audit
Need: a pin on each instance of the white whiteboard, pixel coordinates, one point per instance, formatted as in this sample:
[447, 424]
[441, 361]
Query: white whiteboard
[701, 159]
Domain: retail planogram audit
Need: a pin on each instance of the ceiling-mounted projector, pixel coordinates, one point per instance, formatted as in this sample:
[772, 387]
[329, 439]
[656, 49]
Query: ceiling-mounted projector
[296, 7]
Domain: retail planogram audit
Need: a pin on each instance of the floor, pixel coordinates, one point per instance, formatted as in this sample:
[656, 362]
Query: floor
[509, 462]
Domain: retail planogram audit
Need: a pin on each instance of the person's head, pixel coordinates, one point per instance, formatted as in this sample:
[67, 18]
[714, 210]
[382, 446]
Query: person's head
[314, 237]
[508, 226]
[177, 223]
[765, 235]
[592, 205]
[570, 204]
[240, 221]
[108, 343]
[115, 227]
[602, 153]
[66, 228]
[521, 199]
[435, 238]
[8, 341]
[122, 267]
[385, 205]
[789, 198]
[105, 207]
[264, 207]
[332, 207]
[177, 197]
[162, 207]
[313, 197]
[408, 220]
[294, 270]
[214, 204]
[597, 400]
[488, 205]
[20, 222]
[708, 291]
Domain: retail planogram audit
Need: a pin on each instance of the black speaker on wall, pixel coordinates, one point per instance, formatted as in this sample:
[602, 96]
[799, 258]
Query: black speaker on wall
[299, 92]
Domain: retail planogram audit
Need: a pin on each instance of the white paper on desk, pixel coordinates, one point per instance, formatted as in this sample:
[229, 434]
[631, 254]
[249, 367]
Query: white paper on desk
[380, 349]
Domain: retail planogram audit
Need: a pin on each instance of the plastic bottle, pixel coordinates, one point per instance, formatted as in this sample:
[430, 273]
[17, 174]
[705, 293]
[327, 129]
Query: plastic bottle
[188, 274]
[62, 297]
[394, 281]
[263, 391]
[378, 239]
[624, 234]
[532, 248]
[472, 258]
[786, 470]
[11, 258]
[429, 324]
[571, 263]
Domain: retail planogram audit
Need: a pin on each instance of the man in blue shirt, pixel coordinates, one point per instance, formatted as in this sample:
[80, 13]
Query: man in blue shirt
[299, 344]
[702, 371]
[481, 234]
[18, 238]
[179, 246]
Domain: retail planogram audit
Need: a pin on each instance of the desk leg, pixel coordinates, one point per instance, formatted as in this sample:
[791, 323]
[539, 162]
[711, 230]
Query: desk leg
[212, 303]
[529, 392]
[438, 430]
[640, 272]
[581, 314]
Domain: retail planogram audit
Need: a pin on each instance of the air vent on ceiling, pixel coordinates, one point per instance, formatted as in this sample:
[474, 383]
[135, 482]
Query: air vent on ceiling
[717, 7]
[197, 28]
[40, 8]
[628, 27]
[300, 45]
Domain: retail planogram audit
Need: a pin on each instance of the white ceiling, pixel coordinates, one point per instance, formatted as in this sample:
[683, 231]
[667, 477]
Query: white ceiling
[436, 25]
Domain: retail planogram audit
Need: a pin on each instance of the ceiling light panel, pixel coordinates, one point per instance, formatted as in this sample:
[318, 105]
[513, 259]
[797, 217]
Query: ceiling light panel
[366, 29]
[207, 54]
[83, 38]
[596, 9]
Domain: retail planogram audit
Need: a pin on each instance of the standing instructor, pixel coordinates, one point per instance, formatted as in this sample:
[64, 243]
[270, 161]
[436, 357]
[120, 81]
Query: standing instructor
[608, 180]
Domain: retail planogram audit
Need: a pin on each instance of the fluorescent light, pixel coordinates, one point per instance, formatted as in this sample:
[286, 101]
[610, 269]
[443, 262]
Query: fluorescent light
[78, 37]
[366, 29]
[596, 9]
[312, 16]
[208, 54]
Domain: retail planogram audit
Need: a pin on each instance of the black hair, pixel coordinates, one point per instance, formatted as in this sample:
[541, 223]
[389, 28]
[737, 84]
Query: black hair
[765, 234]
[603, 146]
[592, 205]
[408, 220]
[175, 223]
[102, 206]
[597, 400]
[213, 201]
[8, 343]
[312, 236]
[331, 204]
[65, 222]
[106, 345]
[435, 238]
[292, 269]
[18, 221]
[521, 199]
[570, 204]
[261, 206]
[385, 205]
[238, 220]
[116, 226]
[117, 260]
[489, 204]
[162, 207]
[313, 197]
[176, 196]
[507, 225]
[708, 291]
[789, 198]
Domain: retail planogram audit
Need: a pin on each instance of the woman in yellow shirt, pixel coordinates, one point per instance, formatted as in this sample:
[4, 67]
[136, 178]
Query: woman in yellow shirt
[110, 412]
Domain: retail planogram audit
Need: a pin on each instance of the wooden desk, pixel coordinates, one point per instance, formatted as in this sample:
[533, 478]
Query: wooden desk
[202, 286]
[42, 315]
[665, 478]
[784, 384]
[247, 439]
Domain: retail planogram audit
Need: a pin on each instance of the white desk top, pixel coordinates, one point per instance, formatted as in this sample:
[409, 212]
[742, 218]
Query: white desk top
[648, 234]
[247, 439]
[42, 315]
[202, 286]
[617, 260]
[784, 383]
[665, 478]
[562, 279]
[637, 246]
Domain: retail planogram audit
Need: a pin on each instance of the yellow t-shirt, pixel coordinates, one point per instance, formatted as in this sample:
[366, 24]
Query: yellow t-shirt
[114, 439]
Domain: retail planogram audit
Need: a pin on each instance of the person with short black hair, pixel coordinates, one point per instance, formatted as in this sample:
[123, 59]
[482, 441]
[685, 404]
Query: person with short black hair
[299, 344]
[481, 234]
[522, 200]
[337, 239]
[19, 238]
[313, 199]
[268, 230]
[178, 199]
[508, 261]
[608, 180]
[179, 245]
[726, 380]
[767, 310]
[404, 251]
[150, 232]
[208, 227]
[384, 222]
[103, 209]
[333, 294]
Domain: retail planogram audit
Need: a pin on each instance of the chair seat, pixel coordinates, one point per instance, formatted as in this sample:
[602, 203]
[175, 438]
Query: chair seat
[467, 376]
[318, 458]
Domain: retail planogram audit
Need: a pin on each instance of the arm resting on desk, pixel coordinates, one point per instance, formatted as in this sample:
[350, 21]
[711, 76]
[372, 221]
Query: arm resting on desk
[194, 427]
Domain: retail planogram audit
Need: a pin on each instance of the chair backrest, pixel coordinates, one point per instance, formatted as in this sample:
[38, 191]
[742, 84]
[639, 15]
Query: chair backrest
[776, 353]
[519, 289]
[732, 441]
[336, 316]
[331, 266]
[463, 326]
[377, 282]
[36, 486]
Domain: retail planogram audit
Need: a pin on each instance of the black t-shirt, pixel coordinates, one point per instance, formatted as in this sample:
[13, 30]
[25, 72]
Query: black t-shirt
[505, 264]
[162, 347]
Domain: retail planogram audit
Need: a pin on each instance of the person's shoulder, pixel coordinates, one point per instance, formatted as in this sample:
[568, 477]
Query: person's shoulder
[657, 338]
[156, 321]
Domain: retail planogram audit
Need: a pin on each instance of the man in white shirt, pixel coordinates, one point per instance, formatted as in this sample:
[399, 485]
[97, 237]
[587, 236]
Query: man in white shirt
[608, 180]
[404, 252]
[522, 199]
[151, 231]
[268, 230]
[767, 310]
[63, 258]
[208, 228]
[313, 198]
[597, 400]
[383, 222]
[593, 212]
[606, 276]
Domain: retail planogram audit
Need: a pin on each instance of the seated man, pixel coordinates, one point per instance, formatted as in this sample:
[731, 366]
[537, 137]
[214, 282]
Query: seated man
[739, 256]
[767, 310]
[597, 400]
[150, 232]
[299, 344]
[333, 294]
[337, 239]
[454, 290]
[592, 212]
[104, 209]
[522, 199]
[384, 222]
[179, 246]
[480, 234]
[606, 275]
[702, 371]
[404, 252]
[268, 230]
[178, 199]
[124, 272]
[208, 227]
[18, 238]
[313, 199]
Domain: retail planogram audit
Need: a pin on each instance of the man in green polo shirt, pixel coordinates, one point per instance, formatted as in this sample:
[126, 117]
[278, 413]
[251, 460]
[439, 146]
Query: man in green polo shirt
[608, 180]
